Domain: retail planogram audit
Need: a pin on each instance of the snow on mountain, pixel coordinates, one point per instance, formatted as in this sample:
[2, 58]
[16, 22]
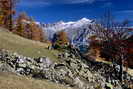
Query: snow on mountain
[77, 31]
[63, 25]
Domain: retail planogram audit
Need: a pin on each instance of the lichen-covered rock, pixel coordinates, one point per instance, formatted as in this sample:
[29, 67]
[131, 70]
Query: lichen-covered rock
[6, 68]
[72, 71]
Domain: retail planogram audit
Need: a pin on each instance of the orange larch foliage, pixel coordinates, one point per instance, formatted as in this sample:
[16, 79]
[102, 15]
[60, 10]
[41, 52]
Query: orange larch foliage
[6, 13]
[37, 32]
[61, 38]
[26, 27]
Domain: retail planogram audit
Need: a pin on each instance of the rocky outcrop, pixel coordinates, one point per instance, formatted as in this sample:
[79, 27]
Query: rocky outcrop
[71, 71]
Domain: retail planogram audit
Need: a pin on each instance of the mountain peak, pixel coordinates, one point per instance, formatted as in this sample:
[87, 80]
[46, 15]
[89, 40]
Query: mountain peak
[85, 20]
[61, 22]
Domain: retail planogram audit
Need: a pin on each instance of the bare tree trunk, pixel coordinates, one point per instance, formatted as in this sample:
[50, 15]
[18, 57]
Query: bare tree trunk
[10, 17]
[121, 73]
[121, 70]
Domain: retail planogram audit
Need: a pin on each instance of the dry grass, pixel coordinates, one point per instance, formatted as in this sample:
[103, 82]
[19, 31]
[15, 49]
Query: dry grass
[27, 48]
[130, 71]
[24, 46]
[12, 81]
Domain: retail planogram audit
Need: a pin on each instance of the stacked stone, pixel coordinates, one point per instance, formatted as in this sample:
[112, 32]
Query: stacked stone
[72, 71]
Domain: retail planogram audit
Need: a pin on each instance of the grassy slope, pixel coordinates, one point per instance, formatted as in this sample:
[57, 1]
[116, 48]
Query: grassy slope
[24, 46]
[28, 48]
[12, 81]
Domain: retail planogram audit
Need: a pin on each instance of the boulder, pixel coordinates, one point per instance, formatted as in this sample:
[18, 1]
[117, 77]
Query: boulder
[20, 71]
[21, 65]
[6, 68]
[80, 84]
[44, 61]
[66, 55]
[20, 60]
[71, 71]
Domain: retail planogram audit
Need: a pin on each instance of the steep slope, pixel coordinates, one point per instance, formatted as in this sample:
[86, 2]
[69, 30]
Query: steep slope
[28, 48]
[24, 46]
[12, 81]
[72, 71]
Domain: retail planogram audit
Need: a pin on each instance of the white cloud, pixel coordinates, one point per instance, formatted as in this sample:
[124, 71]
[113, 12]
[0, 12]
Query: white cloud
[62, 1]
[79, 1]
[67, 1]
[31, 3]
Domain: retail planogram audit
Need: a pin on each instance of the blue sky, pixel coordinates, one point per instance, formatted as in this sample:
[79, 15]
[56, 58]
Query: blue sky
[50, 11]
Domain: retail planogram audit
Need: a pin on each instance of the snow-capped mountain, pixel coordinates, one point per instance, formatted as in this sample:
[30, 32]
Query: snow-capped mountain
[77, 31]
[64, 25]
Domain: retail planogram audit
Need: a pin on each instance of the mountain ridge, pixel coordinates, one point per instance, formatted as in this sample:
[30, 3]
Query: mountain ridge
[74, 29]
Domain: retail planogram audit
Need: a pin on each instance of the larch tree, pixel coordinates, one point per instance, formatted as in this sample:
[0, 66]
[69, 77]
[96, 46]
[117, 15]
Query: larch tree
[36, 32]
[61, 38]
[20, 27]
[26, 27]
[6, 13]
[112, 37]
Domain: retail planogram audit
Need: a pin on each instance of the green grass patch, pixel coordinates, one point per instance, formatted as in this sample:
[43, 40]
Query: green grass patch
[25, 47]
